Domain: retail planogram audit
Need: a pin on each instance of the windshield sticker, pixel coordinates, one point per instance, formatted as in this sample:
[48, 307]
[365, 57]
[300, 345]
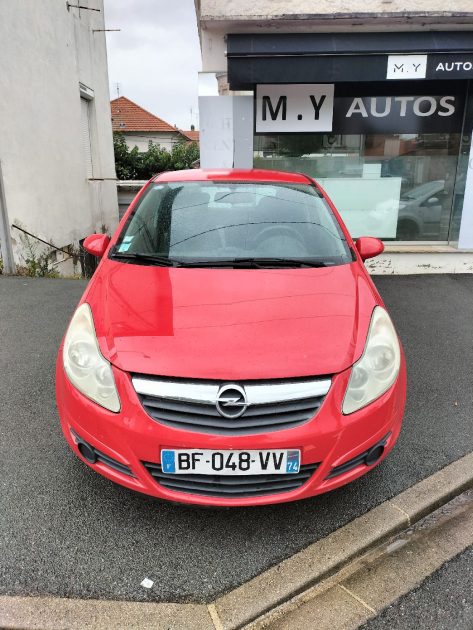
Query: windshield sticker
[124, 247]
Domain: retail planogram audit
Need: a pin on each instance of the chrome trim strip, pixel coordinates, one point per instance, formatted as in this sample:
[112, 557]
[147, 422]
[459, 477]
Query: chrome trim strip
[284, 392]
[206, 393]
[186, 392]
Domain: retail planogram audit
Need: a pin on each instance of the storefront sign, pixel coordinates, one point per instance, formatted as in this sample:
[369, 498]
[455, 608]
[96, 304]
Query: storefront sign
[406, 67]
[294, 108]
[312, 108]
[450, 67]
[351, 57]
[398, 114]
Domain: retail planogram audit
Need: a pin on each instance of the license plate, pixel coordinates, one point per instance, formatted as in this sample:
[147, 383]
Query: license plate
[210, 462]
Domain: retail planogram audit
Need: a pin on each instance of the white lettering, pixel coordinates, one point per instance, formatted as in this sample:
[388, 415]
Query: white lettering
[387, 107]
[449, 106]
[425, 99]
[454, 65]
[403, 100]
[357, 107]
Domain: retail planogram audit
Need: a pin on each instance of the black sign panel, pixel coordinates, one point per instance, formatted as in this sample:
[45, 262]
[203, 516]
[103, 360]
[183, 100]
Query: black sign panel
[450, 66]
[359, 113]
[398, 114]
[345, 57]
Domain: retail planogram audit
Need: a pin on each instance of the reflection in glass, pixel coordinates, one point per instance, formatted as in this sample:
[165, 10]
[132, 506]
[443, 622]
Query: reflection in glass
[394, 186]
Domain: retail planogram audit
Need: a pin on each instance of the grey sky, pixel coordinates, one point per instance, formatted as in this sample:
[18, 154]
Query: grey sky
[156, 56]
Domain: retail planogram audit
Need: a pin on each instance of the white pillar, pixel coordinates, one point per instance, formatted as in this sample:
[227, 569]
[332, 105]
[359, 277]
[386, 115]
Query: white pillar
[216, 131]
[243, 131]
[226, 131]
[465, 239]
[5, 240]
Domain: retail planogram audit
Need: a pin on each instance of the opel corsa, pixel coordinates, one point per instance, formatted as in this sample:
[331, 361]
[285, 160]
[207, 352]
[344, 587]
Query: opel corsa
[231, 348]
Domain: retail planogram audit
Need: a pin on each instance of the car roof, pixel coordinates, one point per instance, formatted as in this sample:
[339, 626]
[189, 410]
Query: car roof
[232, 174]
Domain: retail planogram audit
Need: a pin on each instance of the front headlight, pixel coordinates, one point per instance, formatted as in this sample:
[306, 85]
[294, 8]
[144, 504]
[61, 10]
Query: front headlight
[84, 364]
[378, 367]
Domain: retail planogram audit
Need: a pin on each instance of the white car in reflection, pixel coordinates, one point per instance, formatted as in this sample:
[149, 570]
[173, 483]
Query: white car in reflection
[420, 211]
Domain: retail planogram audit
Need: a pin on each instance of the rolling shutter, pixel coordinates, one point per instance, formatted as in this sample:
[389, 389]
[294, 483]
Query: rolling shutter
[85, 129]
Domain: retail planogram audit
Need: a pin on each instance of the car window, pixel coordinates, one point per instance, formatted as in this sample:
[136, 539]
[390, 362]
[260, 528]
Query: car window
[213, 220]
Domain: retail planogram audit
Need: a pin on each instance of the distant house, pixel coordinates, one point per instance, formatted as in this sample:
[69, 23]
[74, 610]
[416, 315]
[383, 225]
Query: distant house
[192, 134]
[140, 126]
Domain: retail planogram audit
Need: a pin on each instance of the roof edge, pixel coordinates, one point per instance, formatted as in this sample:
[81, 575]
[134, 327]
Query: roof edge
[296, 17]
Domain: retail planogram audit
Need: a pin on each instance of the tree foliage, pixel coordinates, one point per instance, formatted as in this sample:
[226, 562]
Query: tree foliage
[133, 164]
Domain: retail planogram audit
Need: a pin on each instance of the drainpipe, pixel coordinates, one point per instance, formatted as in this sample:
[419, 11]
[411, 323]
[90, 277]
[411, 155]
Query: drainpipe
[5, 240]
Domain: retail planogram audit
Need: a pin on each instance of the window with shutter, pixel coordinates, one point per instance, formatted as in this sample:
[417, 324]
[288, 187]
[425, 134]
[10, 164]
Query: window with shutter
[85, 127]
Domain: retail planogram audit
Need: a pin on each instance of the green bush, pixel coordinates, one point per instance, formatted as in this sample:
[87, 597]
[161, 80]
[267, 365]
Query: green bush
[131, 164]
[38, 263]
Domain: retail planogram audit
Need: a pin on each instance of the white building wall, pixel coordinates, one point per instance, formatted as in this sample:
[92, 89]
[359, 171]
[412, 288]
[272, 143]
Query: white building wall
[166, 140]
[216, 18]
[248, 9]
[47, 51]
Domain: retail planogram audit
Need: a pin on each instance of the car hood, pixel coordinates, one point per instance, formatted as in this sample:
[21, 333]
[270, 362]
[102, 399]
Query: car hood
[231, 323]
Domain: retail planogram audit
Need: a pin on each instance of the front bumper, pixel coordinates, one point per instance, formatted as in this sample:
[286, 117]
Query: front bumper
[131, 438]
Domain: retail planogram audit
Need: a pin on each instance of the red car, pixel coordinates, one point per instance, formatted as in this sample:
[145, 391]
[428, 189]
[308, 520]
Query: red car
[231, 349]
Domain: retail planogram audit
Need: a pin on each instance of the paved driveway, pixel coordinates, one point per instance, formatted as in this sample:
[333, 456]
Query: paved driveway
[69, 532]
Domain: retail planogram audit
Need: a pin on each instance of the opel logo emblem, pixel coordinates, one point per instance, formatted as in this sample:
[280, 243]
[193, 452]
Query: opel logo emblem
[231, 401]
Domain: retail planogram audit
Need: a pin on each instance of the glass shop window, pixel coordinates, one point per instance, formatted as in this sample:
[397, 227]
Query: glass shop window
[393, 186]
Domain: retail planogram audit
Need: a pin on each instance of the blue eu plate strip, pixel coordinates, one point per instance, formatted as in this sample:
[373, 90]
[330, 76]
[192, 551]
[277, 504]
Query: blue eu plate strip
[292, 462]
[168, 462]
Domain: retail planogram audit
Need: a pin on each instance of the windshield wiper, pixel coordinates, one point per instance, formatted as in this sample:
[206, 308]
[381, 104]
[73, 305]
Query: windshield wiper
[248, 263]
[154, 259]
[258, 263]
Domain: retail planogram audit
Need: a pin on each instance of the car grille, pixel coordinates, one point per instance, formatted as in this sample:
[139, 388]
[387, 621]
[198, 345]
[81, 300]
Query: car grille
[193, 408]
[233, 487]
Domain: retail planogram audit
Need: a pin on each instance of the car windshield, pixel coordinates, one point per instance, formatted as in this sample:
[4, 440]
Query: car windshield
[218, 223]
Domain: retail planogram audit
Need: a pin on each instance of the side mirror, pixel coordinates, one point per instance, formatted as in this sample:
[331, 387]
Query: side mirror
[96, 244]
[368, 247]
[433, 201]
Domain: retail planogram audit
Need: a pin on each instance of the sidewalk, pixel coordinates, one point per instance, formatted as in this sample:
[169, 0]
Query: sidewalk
[366, 587]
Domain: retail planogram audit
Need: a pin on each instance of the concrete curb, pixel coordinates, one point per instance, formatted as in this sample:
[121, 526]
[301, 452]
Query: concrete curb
[321, 559]
[365, 587]
[263, 593]
[58, 613]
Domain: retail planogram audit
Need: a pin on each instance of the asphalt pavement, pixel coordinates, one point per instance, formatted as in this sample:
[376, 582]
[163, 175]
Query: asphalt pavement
[67, 531]
[444, 601]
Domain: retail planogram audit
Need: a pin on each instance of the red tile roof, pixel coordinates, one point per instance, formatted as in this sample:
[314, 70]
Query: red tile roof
[128, 116]
[192, 135]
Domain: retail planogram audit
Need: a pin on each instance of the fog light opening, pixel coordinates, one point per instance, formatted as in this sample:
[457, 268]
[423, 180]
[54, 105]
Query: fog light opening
[87, 452]
[374, 454]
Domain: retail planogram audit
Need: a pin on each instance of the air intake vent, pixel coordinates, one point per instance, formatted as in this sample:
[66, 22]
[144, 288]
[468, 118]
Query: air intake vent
[236, 487]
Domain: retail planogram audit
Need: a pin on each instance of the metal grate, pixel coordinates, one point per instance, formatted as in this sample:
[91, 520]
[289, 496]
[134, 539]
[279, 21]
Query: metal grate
[236, 487]
[206, 419]
[269, 406]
